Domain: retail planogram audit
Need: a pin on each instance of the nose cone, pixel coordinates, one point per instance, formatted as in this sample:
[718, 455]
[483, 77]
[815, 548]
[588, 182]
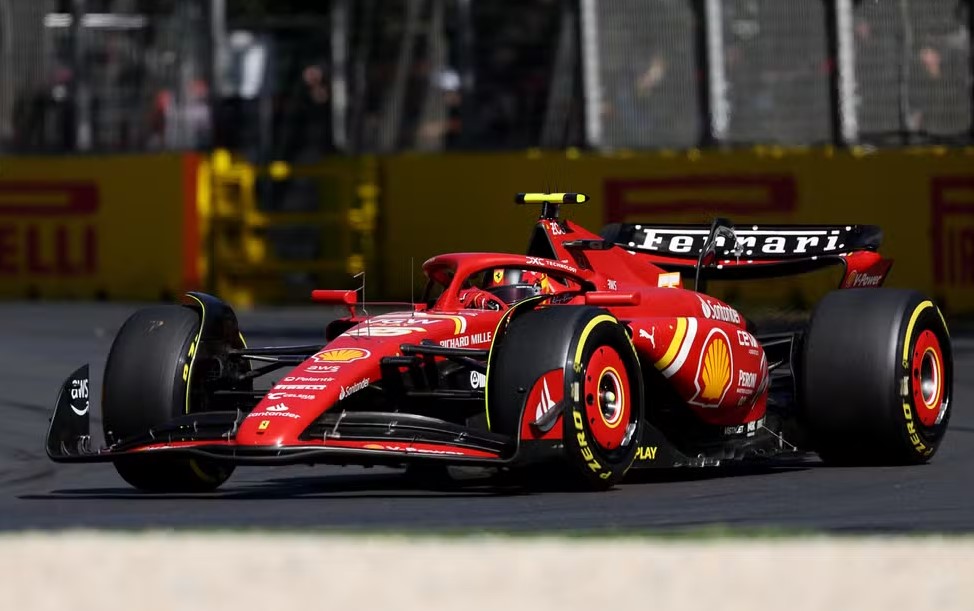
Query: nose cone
[349, 364]
[311, 389]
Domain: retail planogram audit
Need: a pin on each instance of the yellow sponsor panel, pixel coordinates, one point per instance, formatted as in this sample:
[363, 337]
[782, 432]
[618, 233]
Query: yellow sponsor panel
[922, 198]
[276, 232]
[121, 227]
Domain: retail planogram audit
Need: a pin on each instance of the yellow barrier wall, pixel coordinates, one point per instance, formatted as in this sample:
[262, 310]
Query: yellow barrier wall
[122, 227]
[336, 199]
[126, 227]
[923, 199]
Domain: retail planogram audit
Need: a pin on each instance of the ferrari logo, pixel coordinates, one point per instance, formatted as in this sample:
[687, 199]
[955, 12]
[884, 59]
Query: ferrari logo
[263, 425]
[498, 276]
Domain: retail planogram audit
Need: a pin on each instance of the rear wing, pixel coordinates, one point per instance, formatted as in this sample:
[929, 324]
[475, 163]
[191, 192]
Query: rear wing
[758, 251]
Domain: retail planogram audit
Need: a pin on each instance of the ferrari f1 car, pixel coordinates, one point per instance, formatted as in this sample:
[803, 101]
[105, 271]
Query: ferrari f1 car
[587, 354]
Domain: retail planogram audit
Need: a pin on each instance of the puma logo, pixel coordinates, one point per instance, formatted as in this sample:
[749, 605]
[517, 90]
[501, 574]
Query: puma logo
[650, 336]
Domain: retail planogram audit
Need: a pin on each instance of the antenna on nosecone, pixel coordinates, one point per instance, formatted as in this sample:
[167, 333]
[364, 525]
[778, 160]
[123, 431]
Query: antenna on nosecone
[412, 281]
[368, 327]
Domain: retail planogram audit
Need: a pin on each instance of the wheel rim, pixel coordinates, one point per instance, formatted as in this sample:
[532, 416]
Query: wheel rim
[607, 397]
[927, 373]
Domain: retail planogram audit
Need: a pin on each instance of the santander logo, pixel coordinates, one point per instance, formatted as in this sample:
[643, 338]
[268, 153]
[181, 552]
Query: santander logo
[718, 311]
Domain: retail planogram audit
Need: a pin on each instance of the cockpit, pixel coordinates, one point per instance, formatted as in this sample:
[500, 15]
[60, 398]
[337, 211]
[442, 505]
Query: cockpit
[494, 288]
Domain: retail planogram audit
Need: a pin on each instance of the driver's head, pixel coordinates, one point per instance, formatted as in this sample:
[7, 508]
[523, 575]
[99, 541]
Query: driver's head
[512, 285]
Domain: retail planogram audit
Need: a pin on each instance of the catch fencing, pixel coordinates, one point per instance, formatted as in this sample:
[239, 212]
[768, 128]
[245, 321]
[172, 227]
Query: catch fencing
[104, 76]
[284, 81]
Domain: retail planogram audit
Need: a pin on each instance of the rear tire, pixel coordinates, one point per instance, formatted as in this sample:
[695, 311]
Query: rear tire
[146, 385]
[600, 431]
[876, 377]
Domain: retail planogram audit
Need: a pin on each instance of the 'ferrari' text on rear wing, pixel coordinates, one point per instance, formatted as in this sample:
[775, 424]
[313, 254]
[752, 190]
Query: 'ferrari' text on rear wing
[754, 242]
[758, 251]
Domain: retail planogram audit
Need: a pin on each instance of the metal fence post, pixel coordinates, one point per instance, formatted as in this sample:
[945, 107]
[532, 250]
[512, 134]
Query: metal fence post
[906, 50]
[391, 117]
[970, 34]
[845, 83]
[339, 73]
[6, 73]
[555, 130]
[217, 65]
[466, 66]
[82, 94]
[720, 109]
[591, 83]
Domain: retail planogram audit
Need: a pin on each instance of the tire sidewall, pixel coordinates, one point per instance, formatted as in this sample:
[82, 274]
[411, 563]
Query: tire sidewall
[856, 392]
[922, 440]
[131, 407]
[168, 399]
[601, 467]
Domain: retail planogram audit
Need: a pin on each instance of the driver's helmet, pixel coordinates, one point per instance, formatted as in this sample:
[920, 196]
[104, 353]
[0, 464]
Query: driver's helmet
[513, 285]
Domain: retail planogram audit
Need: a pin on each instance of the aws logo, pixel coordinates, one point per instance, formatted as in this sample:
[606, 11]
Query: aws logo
[713, 378]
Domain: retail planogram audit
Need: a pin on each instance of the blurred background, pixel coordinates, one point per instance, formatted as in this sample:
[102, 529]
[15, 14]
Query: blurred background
[258, 149]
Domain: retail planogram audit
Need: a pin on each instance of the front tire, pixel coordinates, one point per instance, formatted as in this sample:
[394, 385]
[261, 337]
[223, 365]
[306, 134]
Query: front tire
[146, 382]
[602, 392]
[876, 377]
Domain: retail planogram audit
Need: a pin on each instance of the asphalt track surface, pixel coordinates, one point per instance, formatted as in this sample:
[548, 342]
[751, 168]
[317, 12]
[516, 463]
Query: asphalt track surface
[41, 344]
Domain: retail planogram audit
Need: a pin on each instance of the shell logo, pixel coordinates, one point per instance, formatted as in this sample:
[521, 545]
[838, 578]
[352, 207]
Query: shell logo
[713, 377]
[341, 355]
[716, 371]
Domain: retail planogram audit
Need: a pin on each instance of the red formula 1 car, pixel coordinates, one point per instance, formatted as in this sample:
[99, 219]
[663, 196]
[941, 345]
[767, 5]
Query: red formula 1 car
[587, 353]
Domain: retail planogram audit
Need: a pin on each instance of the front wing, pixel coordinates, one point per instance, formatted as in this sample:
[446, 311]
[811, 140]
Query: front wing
[341, 438]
